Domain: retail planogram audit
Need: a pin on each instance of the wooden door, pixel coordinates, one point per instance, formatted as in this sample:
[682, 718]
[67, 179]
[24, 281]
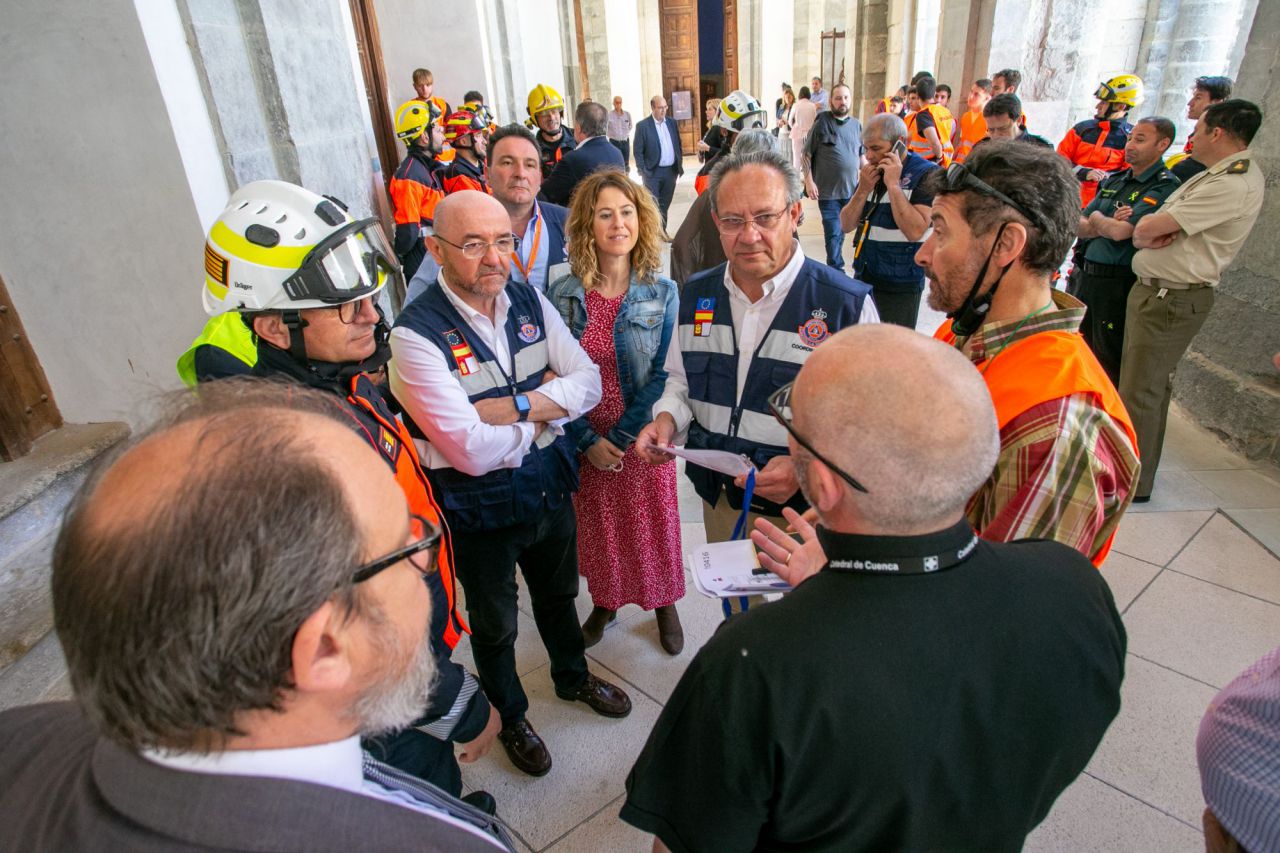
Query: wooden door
[679, 28]
[374, 72]
[27, 410]
[730, 45]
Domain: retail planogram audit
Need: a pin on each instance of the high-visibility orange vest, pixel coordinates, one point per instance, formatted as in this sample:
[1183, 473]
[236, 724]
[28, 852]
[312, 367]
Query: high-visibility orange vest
[1048, 366]
[973, 129]
[700, 183]
[396, 445]
[918, 144]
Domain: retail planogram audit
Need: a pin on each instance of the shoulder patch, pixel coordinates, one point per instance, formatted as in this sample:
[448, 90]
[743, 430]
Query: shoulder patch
[1239, 167]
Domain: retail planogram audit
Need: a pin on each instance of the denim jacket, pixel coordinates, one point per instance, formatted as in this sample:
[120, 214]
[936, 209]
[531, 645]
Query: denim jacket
[641, 335]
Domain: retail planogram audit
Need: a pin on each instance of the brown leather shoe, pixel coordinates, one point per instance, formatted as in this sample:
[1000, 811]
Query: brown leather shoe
[670, 634]
[525, 749]
[605, 699]
[593, 628]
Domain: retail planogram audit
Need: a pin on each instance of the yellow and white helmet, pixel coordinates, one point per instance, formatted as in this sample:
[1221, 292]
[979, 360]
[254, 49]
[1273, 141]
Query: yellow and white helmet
[739, 111]
[1122, 89]
[280, 247]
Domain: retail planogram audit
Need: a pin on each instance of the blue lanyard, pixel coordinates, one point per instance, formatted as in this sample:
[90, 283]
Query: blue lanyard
[740, 531]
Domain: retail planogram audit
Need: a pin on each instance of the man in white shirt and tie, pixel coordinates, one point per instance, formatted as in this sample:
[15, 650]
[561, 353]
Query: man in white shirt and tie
[659, 156]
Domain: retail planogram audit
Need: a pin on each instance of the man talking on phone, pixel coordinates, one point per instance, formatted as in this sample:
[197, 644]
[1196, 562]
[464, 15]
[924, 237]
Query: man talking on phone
[888, 215]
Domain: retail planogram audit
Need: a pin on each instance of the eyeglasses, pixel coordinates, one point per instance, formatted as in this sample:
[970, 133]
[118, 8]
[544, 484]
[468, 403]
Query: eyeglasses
[762, 221]
[958, 177]
[780, 404]
[349, 311]
[429, 540]
[476, 249]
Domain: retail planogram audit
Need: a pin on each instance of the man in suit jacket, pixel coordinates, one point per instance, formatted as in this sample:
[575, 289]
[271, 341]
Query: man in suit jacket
[594, 152]
[240, 732]
[658, 154]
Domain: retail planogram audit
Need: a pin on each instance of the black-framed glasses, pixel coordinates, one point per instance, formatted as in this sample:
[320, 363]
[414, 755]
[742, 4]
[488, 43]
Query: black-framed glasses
[476, 249]
[780, 405]
[762, 221]
[958, 177]
[349, 311]
[430, 539]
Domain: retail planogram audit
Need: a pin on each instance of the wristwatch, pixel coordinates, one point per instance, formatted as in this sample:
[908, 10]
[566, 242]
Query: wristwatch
[522, 407]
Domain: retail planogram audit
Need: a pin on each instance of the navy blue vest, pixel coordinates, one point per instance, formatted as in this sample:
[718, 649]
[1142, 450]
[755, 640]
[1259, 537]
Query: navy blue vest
[548, 475]
[886, 258]
[820, 303]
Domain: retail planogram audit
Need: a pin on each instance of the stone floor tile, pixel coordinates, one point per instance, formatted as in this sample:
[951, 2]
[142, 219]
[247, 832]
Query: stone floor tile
[1127, 577]
[1157, 536]
[1262, 524]
[1201, 630]
[1177, 490]
[1190, 447]
[1224, 554]
[590, 755]
[605, 831]
[693, 534]
[1091, 815]
[1149, 751]
[530, 653]
[1242, 489]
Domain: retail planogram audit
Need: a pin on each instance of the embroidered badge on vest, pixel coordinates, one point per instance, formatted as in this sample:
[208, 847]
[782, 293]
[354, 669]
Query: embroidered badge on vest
[703, 313]
[528, 331]
[815, 331]
[462, 355]
[389, 444]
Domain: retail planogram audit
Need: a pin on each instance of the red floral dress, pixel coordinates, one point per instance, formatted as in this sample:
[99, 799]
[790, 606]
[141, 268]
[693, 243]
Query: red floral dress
[628, 521]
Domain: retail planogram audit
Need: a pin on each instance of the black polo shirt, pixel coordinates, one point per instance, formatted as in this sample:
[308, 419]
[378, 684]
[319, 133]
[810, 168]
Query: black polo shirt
[899, 703]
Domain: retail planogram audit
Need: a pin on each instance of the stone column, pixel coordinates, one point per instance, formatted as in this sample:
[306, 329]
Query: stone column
[867, 49]
[1227, 380]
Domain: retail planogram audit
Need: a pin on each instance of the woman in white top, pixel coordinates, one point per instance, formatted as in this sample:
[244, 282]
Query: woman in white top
[783, 130]
[801, 120]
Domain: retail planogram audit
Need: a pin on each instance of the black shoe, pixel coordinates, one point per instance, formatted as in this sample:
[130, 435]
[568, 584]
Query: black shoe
[525, 749]
[605, 699]
[1142, 499]
[481, 800]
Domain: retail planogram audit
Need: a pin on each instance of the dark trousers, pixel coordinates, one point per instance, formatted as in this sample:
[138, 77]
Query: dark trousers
[420, 754]
[547, 553]
[830, 209]
[661, 183]
[623, 145]
[900, 307]
[1104, 289]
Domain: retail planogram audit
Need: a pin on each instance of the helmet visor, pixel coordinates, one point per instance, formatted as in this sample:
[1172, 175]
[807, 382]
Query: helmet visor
[349, 264]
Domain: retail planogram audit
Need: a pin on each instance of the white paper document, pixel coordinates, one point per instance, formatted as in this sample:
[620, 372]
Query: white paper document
[727, 569]
[720, 461]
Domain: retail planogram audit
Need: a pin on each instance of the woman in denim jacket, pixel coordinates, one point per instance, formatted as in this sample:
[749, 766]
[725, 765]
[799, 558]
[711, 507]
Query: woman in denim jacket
[624, 314]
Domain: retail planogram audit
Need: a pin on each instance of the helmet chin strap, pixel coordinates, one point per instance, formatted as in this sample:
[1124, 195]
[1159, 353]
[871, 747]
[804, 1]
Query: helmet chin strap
[966, 319]
[297, 344]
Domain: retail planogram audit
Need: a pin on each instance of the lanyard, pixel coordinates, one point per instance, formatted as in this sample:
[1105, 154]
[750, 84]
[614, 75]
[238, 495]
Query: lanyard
[740, 532]
[525, 269]
[924, 564]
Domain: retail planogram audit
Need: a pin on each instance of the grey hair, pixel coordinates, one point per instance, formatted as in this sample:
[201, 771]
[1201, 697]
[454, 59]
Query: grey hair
[770, 158]
[754, 140]
[886, 127]
[177, 621]
[591, 118]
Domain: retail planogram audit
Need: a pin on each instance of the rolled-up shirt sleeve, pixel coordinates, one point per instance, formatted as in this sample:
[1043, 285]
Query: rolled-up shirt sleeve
[576, 388]
[675, 394]
[425, 386]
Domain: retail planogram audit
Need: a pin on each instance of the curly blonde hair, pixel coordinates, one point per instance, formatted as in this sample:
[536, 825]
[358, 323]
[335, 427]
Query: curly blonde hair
[646, 257]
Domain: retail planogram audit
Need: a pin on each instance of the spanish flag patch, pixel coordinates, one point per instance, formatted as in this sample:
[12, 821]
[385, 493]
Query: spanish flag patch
[1146, 199]
[703, 313]
[463, 358]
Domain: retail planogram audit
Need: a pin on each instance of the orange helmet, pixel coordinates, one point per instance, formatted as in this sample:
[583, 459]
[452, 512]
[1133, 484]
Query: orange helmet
[462, 123]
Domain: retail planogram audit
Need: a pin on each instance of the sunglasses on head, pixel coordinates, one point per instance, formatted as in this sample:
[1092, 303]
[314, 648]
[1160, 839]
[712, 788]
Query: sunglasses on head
[958, 177]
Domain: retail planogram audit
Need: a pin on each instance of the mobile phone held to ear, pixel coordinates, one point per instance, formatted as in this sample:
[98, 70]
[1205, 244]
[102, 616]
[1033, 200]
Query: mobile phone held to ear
[899, 148]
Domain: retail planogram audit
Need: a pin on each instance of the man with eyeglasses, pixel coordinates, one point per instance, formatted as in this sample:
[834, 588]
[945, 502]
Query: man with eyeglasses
[488, 371]
[915, 657]
[317, 324]
[744, 329]
[232, 626]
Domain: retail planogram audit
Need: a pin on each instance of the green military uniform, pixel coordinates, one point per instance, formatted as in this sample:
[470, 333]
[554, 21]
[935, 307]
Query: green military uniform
[1215, 210]
[1106, 275]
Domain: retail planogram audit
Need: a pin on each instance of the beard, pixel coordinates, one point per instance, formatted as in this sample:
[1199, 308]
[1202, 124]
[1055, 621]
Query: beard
[946, 294]
[400, 697]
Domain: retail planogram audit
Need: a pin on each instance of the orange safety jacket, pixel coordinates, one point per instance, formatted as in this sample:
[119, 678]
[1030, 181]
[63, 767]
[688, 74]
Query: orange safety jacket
[916, 141]
[1048, 366]
[395, 445]
[973, 129]
[461, 175]
[1095, 144]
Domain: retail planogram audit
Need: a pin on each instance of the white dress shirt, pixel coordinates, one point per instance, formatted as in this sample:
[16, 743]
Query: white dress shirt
[335, 765]
[666, 152]
[421, 378]
[751, 322]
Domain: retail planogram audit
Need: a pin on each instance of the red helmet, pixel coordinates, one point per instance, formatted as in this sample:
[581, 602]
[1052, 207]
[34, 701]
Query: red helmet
[462, 123]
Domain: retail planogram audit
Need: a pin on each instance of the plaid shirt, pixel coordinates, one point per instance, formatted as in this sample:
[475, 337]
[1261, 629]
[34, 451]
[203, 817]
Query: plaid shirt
[1066, 470]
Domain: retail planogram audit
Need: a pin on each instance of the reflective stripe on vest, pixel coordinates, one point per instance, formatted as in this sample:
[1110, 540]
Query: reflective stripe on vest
[396, 446]
[226, 332]
[1048, 366]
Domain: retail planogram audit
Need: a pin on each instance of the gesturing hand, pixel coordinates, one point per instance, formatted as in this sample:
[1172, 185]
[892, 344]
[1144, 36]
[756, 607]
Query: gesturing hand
[781, 554]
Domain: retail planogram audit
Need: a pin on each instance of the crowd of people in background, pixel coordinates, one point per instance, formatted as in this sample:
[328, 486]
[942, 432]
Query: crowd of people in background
[518, 415]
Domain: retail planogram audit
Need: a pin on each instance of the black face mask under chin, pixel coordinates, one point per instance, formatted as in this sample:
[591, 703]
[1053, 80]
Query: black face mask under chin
[966, 319]
[323, 372]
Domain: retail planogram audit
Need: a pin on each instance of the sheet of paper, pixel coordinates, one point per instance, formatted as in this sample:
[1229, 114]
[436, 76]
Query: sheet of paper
[726, 569]
[721, 461]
